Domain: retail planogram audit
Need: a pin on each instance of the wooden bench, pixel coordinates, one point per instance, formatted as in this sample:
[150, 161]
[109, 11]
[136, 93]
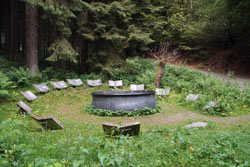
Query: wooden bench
[29, 95]
[115, 84]
[130, 129]
[42, 88]
[75, 82]
[94, 83]
[59, 85]
[134, 87]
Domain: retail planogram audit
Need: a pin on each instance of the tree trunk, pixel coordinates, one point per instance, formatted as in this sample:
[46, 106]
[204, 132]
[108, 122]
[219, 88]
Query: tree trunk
[31, 38]
[13, 32]
[191, 4]
[84, 56]
[160, 73]
[1, 25]
[21, 26]
[7, 25]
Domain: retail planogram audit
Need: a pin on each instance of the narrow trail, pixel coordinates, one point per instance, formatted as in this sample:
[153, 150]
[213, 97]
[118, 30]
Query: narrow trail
[241, 80]
[178, 116]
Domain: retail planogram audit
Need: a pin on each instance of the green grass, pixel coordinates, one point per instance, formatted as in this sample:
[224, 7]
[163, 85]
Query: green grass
[83, 143]
[163, 140]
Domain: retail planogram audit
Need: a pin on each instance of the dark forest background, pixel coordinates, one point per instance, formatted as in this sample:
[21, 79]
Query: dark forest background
[95, 36]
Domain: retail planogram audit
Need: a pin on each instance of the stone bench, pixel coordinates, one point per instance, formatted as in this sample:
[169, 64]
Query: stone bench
[24, 108]
[210, 105]
[115, 84]
[94, 83]
[42, 88]
[59, 85]
[130, 129]
[75, 82]
[162, 92]
[134, 87]
[196, 125]
[192, 97]
[29, 95]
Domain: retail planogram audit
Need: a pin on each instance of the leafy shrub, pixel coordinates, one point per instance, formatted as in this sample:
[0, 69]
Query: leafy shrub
[50, 73]
[137, 112]
[4, 86]
[147, 78]
[184, 81]
[91, 76]
[118, 74]
[138, 65]
[20, 76]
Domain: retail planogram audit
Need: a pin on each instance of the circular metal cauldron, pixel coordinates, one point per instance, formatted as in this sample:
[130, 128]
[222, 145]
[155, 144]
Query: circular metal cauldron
[123, 100]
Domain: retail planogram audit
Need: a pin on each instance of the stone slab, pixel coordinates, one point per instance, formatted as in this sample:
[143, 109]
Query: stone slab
[115, 84]
[24, 107]
[54, 84]
[210, 105]
[134, 87]
[131, 129]
[48, 123]
[192, 97]
[97, 82]
[62, 84]
[59, 84]
[78, 82]
[162, 92]
[196, 125]
[75, 82]
[42, 88]
[29, 95]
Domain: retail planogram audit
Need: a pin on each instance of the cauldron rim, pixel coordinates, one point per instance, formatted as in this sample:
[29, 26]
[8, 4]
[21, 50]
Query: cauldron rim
[122, 93]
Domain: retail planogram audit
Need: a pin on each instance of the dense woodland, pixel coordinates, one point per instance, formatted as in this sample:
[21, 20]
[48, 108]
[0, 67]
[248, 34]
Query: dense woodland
[92, 36]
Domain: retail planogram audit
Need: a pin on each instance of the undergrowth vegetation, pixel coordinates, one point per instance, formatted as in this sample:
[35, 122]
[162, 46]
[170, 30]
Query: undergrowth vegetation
[231, 98]
[154, 147]
[137, 112]
[83, 143]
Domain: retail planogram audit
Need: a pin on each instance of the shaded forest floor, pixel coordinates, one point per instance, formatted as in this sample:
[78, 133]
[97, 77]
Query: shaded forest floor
[231, 61]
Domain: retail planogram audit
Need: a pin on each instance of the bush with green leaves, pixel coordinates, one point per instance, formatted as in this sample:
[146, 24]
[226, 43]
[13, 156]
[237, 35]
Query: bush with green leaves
[5, 84]
[92, 76]
[184, 81]
[136, 112]
[49, 74]
[20, 76]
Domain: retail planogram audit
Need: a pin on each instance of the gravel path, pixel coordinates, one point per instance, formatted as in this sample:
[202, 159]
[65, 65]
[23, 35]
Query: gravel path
[179, 115]
[225, 77]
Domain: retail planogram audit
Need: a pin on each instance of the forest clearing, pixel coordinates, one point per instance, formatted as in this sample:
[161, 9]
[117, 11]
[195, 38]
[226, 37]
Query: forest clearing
[124, 83]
